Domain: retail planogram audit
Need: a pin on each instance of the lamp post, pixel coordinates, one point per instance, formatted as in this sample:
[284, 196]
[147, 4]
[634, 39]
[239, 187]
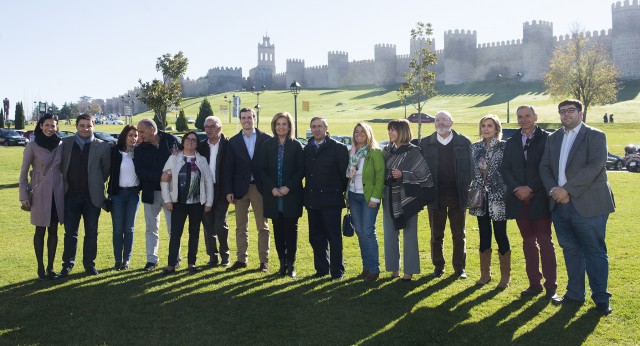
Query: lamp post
[228, 101]
[257, 107]
[129, 102]
[509, 81]
[295, 90]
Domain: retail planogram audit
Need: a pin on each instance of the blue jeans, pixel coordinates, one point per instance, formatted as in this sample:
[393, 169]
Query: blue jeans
[78, 205]
[364, 221]
[124, 207]
[584, 248]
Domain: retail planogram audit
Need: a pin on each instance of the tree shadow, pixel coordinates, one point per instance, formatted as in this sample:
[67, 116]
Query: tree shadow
[374, 93]
[629, 90]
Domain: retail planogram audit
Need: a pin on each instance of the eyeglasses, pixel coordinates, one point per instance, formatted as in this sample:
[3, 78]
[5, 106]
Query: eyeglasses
[191, 140]
[211, 127]
[567, 111]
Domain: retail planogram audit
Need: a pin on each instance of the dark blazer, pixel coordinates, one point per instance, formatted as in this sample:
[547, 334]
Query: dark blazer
[325, 174]
[462, 164]
[587, 182]
[292, 174]
[239, 166]
[149, 162]
[518, 172]
[204, 150]
[98, 168]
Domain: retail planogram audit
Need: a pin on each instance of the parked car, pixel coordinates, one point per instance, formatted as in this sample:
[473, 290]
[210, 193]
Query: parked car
[383, 144]
[11, 137]
[302, 141]
[191, 121]
[114, 121]
[346, 140]
[426, 118]
[507, 133]
[22, 133]
[632, 158]
[65, 133]
[615, 162]
[105, 137]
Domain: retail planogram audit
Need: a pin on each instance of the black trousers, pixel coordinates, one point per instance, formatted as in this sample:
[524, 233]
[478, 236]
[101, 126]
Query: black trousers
[216, 230]
[325, 236]
[285, 233]
[178, 218]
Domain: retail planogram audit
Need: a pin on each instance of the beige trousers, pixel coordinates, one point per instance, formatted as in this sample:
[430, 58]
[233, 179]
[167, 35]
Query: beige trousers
[253, 198]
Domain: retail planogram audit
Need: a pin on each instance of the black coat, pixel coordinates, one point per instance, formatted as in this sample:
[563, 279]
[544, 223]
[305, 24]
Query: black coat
[114, 177]
[462, 164]
[292, 174]
[239, 166]
[149, 162]
[518, 172]
[325, 174]
[204, 150]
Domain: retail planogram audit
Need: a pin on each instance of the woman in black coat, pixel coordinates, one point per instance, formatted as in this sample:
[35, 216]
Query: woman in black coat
[281, 171]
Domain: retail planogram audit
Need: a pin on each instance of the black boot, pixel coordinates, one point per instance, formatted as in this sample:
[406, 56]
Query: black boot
[291, 271]
[283, 268]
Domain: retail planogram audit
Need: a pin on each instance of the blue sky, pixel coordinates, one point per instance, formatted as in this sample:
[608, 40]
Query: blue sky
[61, 50]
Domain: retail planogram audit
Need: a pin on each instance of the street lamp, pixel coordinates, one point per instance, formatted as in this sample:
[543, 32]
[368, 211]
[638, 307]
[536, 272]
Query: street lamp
[257, 107]
[295, 90]
[228, 100]
[509, 81]
[130, 102]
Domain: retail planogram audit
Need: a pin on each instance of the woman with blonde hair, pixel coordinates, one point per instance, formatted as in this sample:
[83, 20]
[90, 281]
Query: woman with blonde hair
[366, 184]
[487, 159]
[406, 176]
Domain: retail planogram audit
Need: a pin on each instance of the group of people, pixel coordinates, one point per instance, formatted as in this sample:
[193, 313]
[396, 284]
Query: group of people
[533, 177]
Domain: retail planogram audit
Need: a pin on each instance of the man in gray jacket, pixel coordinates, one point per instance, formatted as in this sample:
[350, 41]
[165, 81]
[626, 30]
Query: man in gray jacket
[448, 155]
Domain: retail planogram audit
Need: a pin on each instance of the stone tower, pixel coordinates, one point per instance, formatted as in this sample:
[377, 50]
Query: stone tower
[385, 64]
[265, 71]
[295, 71]
[337, 69]
[537, 49]
[626, 38]
[459, 56]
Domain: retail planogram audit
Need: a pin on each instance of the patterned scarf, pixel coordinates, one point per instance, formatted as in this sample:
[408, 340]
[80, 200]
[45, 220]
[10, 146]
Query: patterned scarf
[354, 159]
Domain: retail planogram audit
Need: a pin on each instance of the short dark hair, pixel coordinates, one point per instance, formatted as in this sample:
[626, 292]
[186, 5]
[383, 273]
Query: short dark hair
[84, 116]
[184, 138]
[571, 102]
[247, 109]
[122, 137]
[46, 116]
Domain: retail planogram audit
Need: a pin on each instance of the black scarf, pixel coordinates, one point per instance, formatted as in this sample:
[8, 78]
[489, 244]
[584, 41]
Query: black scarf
[47, 142]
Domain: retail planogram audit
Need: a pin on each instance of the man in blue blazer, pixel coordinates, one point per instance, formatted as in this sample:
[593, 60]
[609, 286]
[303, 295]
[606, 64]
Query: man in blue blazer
[241, 186]
[573, 172]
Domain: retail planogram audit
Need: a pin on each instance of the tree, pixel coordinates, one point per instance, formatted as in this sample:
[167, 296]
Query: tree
[53, 109]
[419, 83]
[1, 119]
[181, 122]
[69, 111]
[19, 116]
[204, 112]
[161, 95]
[582, 70]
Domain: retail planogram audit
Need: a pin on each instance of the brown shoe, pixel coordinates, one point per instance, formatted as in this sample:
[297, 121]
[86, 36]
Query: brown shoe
[264, 267]
[372, 277]
[363, 275]
[237, 265]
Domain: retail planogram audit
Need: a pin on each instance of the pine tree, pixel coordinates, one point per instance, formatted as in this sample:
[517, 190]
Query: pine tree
[204, 112]
[1, 119]
[181, 122]
[19, 116]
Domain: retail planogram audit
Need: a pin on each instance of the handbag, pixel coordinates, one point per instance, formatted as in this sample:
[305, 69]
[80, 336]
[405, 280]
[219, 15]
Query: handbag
[475, 198]
[347, 225]
[106, 204]
[30, 195]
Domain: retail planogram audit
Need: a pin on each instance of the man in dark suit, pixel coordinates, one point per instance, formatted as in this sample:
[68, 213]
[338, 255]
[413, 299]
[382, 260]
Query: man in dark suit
[215, 221]
[527, 201]
[242, 188]
[86, 162]
[325, 164]
[448, 155]
[574, 174]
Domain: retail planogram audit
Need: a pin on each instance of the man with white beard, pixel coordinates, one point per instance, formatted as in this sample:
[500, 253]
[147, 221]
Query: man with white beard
[448, 155]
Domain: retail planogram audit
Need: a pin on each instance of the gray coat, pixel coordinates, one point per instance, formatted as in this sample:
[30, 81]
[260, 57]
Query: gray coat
[98, 167]
[587, 182]
[46, 182]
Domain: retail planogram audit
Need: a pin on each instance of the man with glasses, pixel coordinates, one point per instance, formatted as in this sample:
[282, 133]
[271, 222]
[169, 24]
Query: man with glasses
[215, 221]
[573, 172]
[242, 188]
[527, 202]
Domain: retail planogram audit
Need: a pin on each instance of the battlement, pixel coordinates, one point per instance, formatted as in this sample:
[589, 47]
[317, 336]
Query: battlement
[538, 23]
[281, 74]
[500, 44]
[402, 56]
[384, 45]
[339, 53]
[620, 6]
[460, 33]
[295, 61]
[221, 68]
[362, 62]
[319, 67]
[595, 33]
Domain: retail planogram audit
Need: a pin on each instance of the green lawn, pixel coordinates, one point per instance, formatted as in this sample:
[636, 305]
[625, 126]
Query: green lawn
[249, 307]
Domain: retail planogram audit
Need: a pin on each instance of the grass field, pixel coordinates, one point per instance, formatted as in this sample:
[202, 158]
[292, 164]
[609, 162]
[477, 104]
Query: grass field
[249, 307]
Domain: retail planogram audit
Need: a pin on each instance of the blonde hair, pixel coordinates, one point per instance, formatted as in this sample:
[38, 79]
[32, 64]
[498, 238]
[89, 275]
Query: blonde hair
[280, 115]
[496, 122]
[403, 128]
[368, 131]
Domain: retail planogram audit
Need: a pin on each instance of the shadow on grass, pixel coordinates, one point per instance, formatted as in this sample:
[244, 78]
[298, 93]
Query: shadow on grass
[248, 307]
